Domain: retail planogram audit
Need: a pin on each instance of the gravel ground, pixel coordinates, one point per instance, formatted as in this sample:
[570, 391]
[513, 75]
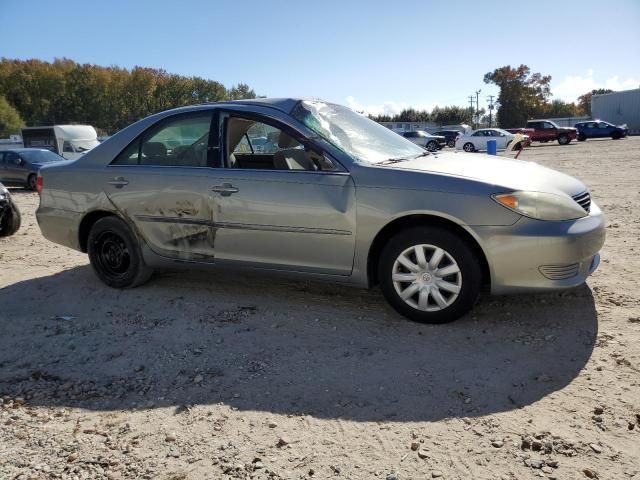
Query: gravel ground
[211, 375]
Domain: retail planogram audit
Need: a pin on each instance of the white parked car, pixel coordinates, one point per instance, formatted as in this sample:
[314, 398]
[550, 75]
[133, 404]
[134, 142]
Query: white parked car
[476, 140]
[425, 139]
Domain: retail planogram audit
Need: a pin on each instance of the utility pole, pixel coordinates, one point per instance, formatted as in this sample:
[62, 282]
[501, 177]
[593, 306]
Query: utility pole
[490, 98]
[471, 107]
[478, 108]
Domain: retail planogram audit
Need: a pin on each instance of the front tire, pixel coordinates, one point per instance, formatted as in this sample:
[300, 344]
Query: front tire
[468, 147]
[563, 139]
[432, 146]
[429, 275]
[616, 136]
[10, 222]
[451, 143]
[581, 138]
[115, 255]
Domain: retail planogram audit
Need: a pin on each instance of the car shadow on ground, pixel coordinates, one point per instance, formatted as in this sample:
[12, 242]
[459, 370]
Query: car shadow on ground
[282, 346]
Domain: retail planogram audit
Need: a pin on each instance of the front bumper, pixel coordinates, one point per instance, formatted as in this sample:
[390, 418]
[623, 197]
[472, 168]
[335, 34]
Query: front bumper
[536, 255]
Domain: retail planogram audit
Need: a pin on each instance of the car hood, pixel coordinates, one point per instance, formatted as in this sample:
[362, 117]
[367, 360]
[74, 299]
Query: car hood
[505, 173]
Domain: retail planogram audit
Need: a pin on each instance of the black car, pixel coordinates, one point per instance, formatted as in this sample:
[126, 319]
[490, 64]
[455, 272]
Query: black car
[9, 214]
[600, 129]
[449, 135]
[19, 167]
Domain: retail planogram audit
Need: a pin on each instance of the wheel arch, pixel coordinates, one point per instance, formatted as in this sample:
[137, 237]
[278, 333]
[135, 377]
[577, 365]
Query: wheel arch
[85, 226]
[414, 220]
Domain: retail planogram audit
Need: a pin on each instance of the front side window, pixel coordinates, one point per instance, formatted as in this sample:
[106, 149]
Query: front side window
[178, 142]
[359, 137]
[255, 144]
[549, 125]
[66, 147]
[12, 158]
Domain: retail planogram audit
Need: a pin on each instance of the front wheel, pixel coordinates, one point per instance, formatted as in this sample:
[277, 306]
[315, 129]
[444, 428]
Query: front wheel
[429, 275]
[563, 139]
[9, 220]
[115, 255]
[468, 147]
[432, 146]
[581, 138]
[451, 143]
[616, 136]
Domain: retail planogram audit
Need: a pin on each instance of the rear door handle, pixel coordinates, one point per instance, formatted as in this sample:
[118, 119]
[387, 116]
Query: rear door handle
[119, 182]
[225, 189]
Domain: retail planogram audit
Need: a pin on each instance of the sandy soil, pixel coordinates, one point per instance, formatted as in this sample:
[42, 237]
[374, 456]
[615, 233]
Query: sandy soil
[200, 375]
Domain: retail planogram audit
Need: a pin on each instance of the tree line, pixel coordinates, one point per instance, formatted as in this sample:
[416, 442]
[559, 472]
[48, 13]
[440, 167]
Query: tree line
[35, 92]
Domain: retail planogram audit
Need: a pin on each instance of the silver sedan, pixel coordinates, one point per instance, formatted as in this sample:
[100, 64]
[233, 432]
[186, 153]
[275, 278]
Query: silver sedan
[338, 197]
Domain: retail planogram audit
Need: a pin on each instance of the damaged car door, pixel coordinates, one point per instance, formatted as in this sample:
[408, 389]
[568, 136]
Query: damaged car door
[287, 206]
[160, 184]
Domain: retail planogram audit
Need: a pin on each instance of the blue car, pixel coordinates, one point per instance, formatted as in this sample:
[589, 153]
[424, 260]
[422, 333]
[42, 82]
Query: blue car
[600, 129]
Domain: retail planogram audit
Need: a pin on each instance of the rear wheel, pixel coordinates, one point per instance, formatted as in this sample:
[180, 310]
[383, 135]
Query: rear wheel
[31, 182]
[429, 275]
[115, 254]
[563, 139]
[451, 143]
[432, 145]
[468, 147]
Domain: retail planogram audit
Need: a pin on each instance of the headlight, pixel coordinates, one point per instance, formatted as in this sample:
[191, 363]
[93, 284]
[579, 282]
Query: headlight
[541, 206]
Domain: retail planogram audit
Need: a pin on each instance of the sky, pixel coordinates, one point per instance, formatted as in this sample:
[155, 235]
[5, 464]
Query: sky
[376, 56]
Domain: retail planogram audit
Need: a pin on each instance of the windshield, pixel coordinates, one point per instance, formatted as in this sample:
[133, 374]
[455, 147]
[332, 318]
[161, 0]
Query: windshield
[361, 138]
[84, 145]
[40, 156]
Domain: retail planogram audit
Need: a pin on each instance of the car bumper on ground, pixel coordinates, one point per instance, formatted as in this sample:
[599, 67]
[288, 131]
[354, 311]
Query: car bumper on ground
[533, 255]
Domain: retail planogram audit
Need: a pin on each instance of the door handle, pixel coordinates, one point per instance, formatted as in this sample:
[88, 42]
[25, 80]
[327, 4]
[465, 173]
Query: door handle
[118, 182]
[225, 189]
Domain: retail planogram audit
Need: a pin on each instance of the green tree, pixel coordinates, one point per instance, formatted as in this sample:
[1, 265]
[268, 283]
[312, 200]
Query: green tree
[584, 101]
[10, 120]
[522, 94]
[241, 91]
[559, 108]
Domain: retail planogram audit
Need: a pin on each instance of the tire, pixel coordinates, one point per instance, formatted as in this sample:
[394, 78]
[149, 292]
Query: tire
[581, 138]
[616, 135]
[115, 254]
[451, 143]
[468, 147]
[31, 181]
[457, 291]
[11, 221]
[563, 139]
[432, 145]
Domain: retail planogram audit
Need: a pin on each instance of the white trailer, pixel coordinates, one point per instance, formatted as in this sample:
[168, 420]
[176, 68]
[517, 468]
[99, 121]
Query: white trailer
[69, 141]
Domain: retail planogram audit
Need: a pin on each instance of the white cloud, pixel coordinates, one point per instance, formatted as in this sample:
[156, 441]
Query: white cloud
[387, 108]
[572, 87]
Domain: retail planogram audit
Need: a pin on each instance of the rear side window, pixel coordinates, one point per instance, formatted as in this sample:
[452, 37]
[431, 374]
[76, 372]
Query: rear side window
[180, 141]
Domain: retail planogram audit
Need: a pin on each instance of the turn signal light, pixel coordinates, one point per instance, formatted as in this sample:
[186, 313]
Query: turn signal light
[508, 200]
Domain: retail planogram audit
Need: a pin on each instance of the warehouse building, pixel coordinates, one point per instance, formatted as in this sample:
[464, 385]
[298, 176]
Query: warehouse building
[618, 108]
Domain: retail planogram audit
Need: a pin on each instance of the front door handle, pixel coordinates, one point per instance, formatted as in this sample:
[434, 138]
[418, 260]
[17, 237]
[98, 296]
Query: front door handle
[225, 189]
[119, 182]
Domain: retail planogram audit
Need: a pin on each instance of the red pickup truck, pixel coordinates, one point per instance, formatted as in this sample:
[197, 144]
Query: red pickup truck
[545, 131]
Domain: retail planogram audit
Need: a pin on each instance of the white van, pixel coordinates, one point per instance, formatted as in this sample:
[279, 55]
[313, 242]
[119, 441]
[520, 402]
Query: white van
[69, 141]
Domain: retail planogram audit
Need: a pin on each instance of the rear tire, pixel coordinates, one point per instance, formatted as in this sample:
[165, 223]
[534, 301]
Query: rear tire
[468, 147]
[31, 181]
[115, 254]
[439, 285]
[451, 143]
[563, 139]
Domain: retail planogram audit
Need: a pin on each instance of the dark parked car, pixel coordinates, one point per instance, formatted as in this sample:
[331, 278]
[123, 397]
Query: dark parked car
[449, 135]
[19, 167]
[9, 214]
[600, 129]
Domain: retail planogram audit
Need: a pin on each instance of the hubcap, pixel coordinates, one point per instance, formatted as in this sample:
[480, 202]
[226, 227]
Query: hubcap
[427, 278]
[431, 146]
[468, 147]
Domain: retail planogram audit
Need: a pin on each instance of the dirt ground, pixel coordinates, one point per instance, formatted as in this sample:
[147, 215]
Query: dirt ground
[201, 375]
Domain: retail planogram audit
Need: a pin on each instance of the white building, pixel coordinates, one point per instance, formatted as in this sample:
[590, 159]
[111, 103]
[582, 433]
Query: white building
[618, 108]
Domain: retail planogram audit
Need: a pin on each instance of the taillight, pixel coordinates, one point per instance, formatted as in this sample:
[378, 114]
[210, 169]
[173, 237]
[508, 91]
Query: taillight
[39, 184]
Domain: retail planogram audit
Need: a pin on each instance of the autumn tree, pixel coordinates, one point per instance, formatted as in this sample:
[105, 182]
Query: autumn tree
[10, 120]
[522, 94]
